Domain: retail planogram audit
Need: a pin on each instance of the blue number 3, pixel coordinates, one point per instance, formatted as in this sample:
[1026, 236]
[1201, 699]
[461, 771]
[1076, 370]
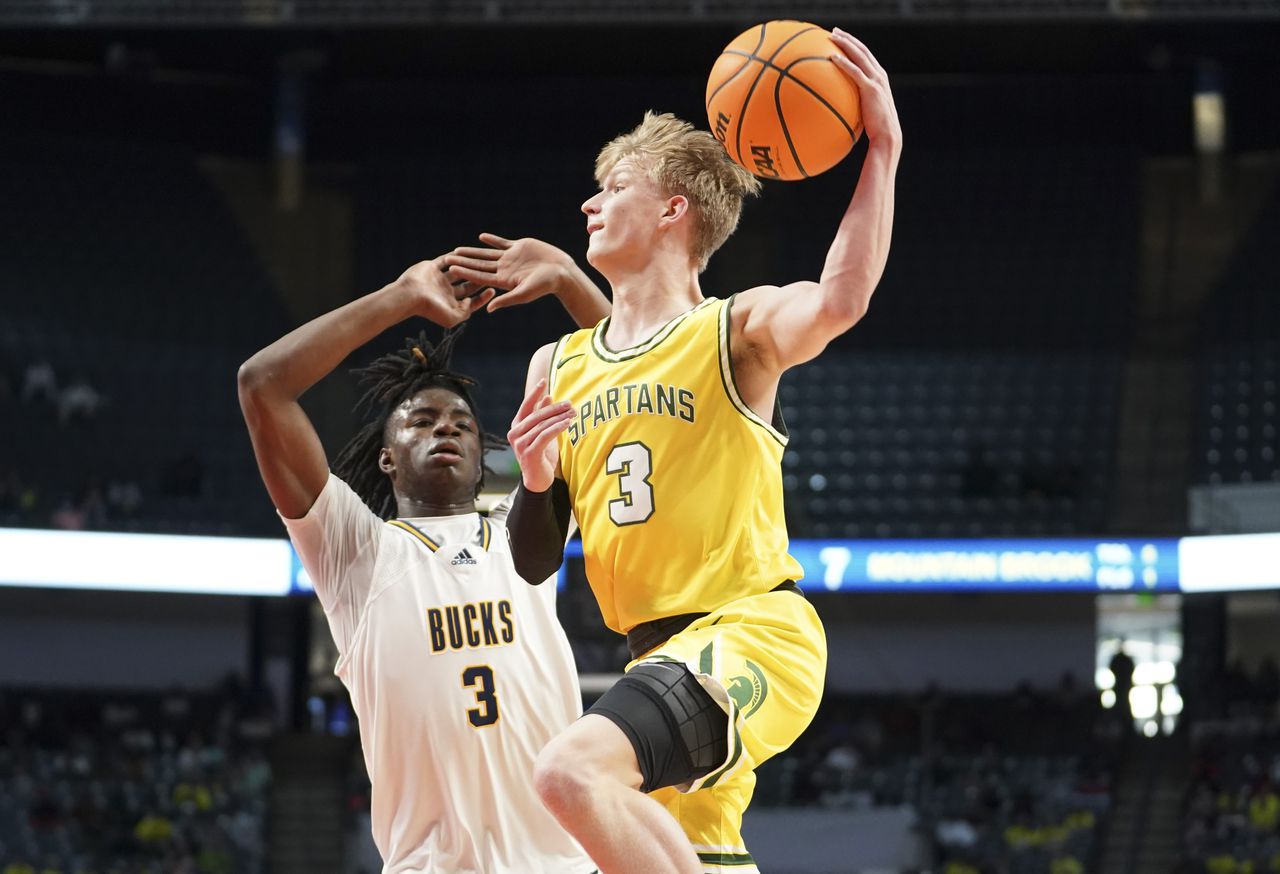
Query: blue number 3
[487, 712]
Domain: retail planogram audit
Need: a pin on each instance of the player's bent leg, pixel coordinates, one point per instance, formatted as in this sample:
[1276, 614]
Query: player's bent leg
[589, 778]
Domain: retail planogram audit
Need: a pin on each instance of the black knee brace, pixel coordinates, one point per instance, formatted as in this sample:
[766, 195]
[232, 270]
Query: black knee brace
[678, 731]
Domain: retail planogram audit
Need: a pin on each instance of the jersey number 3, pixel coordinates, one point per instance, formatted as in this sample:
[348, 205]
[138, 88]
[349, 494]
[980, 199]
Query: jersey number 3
[633, 463]
[481, 677]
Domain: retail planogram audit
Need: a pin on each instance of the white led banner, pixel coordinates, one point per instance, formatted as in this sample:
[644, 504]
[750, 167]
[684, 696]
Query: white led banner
[270, 567]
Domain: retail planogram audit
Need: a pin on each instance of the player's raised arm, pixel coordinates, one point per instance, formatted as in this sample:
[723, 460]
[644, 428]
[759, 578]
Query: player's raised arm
[290, 456]
[525, 270]
[788, 325]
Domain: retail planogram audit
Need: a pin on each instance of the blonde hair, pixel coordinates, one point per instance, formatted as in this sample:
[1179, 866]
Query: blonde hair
[680, 159]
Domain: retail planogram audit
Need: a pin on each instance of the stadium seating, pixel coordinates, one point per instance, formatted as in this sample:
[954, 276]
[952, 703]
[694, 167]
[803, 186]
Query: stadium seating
[1239, 411]
[992, 416]
[147, 289]
[950, 445]
[131, 783]
[1232, 812]
[891, 445]
[1011, 783]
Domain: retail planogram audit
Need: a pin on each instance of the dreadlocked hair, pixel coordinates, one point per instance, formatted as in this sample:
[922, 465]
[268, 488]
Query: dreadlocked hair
[391, 379]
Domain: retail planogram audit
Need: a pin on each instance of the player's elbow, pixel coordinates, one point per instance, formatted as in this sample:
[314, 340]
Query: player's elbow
[250, 378]
[842, 308]
[257, 380]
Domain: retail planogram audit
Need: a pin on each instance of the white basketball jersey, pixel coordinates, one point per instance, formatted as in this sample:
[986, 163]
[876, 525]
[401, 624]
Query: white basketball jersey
[459, 674]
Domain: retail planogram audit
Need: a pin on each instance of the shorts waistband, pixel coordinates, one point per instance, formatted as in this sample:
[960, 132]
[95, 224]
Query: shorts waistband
[653, 634]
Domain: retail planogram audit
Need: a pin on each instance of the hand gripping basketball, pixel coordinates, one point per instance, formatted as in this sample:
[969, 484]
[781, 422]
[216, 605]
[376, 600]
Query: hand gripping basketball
[533, 436]
[879, 115]
[780, 104]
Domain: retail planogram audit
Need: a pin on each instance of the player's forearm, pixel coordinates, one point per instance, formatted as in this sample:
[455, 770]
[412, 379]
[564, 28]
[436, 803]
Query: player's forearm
[855, 262]
[537, 527]
[582, 299]
[304, 356]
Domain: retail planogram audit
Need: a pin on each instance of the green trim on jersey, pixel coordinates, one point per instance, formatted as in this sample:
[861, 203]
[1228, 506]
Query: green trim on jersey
[728, 380]
[556, 361]
[726, 859]
[604, 353]
[730, 765]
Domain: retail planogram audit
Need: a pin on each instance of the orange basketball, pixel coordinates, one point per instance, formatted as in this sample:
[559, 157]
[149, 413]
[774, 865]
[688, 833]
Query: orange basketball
[780, 105]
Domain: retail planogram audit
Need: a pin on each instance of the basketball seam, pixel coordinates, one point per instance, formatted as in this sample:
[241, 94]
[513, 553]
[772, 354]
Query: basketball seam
[727, 51]
[787, 73]
[788, 40]
[782, 120]
[746, 101]
[727, 80]
[766, 64]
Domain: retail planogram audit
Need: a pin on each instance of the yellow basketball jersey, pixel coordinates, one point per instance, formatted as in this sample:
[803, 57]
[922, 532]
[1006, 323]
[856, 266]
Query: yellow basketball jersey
[676, 483]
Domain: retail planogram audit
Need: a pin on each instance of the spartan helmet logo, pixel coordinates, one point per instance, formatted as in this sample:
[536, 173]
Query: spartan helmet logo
[749, 692]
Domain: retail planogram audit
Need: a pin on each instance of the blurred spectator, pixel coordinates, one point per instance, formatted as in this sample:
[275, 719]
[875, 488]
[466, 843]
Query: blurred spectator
[1122, 666]
[78, 400]
[124, 498]
[1264, 808]
[69, 516]
[93, 503]
[153, 830]
[836, 776]
[40, 383]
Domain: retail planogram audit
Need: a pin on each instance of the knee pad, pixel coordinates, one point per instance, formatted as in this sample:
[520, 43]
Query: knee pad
[678, 731]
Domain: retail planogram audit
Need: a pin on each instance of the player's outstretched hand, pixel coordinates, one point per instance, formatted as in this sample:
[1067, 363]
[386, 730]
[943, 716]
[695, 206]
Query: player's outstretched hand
[533, 436]
[437, 298]
[879, 115]
[525, 269]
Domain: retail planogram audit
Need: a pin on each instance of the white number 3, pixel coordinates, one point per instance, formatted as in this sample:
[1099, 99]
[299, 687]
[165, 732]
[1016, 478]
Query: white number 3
[634, 462]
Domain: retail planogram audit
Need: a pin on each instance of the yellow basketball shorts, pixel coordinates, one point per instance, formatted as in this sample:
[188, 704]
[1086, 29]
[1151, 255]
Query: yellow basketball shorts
[764, 660]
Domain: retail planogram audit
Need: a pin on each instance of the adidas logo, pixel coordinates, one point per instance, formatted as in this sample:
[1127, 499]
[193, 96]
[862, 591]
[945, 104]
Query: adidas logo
[463, 557]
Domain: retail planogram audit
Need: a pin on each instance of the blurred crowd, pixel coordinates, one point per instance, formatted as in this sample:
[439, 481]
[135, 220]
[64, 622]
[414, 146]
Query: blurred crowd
[132, 783]
[1232, 814]
[36, 395]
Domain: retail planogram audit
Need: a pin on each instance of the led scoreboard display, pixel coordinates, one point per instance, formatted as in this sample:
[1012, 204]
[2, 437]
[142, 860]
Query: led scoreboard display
[1005, 565]
[270, 566]
[1067, 565]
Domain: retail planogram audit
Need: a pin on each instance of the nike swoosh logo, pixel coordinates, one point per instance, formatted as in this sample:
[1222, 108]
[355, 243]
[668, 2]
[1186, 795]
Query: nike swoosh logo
[563, 361]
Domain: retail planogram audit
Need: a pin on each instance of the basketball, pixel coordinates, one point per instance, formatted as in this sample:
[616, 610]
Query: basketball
[779, 104]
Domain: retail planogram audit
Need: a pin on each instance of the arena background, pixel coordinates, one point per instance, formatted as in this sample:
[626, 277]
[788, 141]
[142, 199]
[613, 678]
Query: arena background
[1075, 351]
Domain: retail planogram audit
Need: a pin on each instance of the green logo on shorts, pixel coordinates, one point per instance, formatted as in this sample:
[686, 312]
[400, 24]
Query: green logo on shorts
[749, 692]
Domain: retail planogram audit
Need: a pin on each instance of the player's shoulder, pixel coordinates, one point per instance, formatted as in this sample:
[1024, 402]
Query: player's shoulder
[763, 301]
[543, 357]
[758, 294]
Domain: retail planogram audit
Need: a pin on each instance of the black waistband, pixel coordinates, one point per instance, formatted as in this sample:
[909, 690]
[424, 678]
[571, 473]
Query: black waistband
[651, 635]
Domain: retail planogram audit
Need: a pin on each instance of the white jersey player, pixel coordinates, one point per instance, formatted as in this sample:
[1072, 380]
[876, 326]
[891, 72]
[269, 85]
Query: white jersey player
[459, 674]
[458, 670]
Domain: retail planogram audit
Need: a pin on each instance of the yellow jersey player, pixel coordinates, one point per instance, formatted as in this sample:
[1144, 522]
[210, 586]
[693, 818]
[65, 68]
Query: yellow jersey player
[668, 453]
